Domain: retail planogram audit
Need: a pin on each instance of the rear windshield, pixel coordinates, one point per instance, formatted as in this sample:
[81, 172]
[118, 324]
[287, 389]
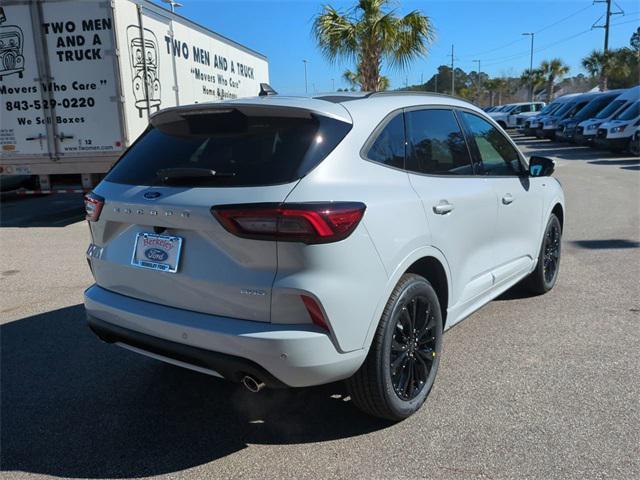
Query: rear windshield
[231, 148]
[611, 109]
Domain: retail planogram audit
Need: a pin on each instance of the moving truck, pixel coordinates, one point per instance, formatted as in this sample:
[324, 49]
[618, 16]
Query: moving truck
[79, 80]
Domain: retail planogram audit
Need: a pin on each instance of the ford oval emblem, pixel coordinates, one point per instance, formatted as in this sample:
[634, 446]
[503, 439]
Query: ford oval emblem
[156, 255]
[152, 195]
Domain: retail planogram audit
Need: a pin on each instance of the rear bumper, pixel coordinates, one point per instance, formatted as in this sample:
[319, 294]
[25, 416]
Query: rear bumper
[277, 354]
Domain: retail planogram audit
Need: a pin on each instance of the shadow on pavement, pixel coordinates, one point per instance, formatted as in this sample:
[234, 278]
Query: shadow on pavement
[56, 210]
[72, 406]
[606, 244]
[625, 161]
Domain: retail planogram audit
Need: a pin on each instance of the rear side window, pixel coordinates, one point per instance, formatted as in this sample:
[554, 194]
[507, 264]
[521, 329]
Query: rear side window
[498, 156]
[436, 144]
[241, 150]
[389, 145]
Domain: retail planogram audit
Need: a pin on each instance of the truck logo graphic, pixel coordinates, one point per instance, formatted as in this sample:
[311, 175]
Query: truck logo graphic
[145, 64]
[11, 44]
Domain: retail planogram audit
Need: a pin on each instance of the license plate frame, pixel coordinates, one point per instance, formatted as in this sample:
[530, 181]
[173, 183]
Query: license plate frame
[157, 246]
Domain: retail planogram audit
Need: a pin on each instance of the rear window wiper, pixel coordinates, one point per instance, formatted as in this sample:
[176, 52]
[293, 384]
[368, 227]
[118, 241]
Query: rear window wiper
[183, 173]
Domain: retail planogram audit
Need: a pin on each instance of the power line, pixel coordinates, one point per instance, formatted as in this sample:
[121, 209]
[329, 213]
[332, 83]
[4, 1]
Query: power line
[565, 18]
[538, 31]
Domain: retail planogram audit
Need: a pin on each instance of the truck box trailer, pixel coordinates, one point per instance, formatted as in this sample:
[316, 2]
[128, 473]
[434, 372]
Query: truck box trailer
[79, 80]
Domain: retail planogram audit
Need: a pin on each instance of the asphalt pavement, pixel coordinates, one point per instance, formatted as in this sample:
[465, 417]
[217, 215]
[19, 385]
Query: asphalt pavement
[529, 387]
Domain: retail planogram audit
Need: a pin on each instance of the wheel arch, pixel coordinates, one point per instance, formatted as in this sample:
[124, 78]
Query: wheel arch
[558, 211]
[428, 262]
[431, 269]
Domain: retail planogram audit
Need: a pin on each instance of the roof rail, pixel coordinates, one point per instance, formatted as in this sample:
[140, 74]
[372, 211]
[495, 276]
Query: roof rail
[413, 92]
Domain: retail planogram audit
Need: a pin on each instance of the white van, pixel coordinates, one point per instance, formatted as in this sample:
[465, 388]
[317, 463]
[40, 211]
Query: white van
[616, 134]
[536, 122]
[586, 131]
[507, 117]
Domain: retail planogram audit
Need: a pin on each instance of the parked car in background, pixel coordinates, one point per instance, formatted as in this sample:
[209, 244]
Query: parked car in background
[616, 134]
[567, 127]
[586, 130]
[550, 124]
[287, 241]
[509, 116]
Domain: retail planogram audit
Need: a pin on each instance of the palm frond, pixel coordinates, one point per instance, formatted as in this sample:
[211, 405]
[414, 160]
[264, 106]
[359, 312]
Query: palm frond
[335, 34]
[408, 38]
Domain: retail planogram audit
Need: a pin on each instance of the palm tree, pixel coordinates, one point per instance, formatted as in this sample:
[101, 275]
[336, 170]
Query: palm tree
[552, 70]
[369, 33]
[354, 80]
[614, 63]
[534, 77]
[495, 85]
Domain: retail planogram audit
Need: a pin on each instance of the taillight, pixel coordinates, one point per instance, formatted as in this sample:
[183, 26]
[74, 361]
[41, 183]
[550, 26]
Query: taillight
[93, 206]
[293, 222]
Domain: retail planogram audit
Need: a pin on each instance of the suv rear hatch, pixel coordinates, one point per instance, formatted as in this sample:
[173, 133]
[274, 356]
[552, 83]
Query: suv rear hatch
[157, 217]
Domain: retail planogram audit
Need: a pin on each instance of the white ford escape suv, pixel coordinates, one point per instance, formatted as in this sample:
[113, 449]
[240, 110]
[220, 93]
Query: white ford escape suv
[287, 241]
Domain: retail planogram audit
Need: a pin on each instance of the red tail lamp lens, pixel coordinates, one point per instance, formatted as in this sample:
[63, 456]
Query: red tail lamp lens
[300, 222]
[93, 206]
[315, 312]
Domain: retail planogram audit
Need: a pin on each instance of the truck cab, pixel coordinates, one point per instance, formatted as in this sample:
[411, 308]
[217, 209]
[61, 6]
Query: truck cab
[514, 114]
[616, 134]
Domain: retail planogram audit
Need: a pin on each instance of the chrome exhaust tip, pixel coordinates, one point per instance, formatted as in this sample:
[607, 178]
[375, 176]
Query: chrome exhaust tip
[252, 384]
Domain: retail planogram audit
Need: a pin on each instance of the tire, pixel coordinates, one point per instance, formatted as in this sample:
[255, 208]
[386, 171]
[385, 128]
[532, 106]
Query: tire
[541, 280]
[377, 388]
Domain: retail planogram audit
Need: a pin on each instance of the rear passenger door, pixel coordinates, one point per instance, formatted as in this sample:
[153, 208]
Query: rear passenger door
[460, 207]
[518, 197]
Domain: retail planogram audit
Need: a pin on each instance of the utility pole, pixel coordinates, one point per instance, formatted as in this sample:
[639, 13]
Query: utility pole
[306, 90]
[479, 86]
[453, 74]
[333, 84]
[531, 34]
[606, 26]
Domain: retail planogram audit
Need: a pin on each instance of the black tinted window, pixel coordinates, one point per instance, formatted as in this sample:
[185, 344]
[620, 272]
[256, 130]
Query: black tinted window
[436, 144]
[242, 150]
[388, 147]
[498, 156]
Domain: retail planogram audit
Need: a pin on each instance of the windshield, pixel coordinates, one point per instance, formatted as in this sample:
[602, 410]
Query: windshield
[630, 113]
[549, 108]
[241, 150]
[576, 108]
[594, 106]
[564, 108]
[508, 108]
[611, 109]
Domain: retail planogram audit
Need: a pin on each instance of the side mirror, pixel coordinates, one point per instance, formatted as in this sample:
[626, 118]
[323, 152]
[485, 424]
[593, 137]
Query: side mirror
[541, 166]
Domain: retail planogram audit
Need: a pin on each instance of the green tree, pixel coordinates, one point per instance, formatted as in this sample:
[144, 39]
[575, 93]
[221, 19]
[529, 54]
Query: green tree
[535, 77]
[369, 33]
[354, 80]
[613, 66]
[635, 40]
[552, 70]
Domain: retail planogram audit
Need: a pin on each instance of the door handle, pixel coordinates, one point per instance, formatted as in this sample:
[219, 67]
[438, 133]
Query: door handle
[442, 208]
[507, 199]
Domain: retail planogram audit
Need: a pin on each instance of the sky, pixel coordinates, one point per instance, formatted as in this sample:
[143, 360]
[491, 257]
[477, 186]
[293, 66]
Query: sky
[489, 31]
